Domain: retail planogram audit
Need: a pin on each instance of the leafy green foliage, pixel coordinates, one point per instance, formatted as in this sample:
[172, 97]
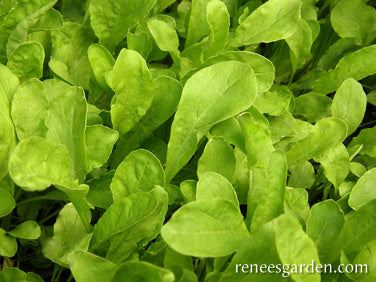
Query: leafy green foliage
[164, 140]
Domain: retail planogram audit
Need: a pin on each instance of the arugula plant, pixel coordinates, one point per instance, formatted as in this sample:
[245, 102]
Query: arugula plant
[164, 140]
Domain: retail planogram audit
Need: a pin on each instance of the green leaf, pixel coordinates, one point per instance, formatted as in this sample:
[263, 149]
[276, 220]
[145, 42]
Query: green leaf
[230, 130]
[358, 230]
[213, 186]
[110, 21]
[257, 250]
[134, 90]
[367, 140]
[211, 95]
[7, 203]
[296, 203]
[69, 58]
[336, 163]
[219, 23]
[21, 20]
[363, 191]
[88, 267]
[300, 43]
[69, 235]
[357, 65]
[99, 141]
[198, 26]
[206, 228]
[142, 271]
[302, 175]
[36, 163]
[324, 224]
[218, 156]
[274, 102]
[271, 202]
[349, 104]
[261, 66]
[272, 21]
[162, 28]
[66, 122]
[101, 61]
[354, 19]
[11, 274]
[26, 61]
[30, 109]
[130, 221]
[100, 194]
[295, 247]
[8, 244]
[139, 172]
[257, 136]
[26, 230]
[313, 107]
[325, 135]
[8, 85]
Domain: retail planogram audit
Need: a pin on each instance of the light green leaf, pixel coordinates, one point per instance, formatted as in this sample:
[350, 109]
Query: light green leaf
[296, 203]
[218, 156]
[364, 190]
[142, 271]
[274, 102]
[130, 221]
[336, 163]
[219, 23]
[272, 21]
[295, 247]
[166, 99]
[302, 175]
[261, 66]
[11, 274]
[271, 202]
[26, 61]
[7, 203]
[162, 28]
[139, 172]
[101, 61]
[26, 230]
[8, 85]
[66, 122]
[313, 107]
[87, 267]
[69, 58]
[8, 244]
[99, 141]
[134, 90]
[110, 21]
[354, 19]
[349, 104]
[367, 139]
[257, 136]
[69, 235]
[357, 169]
[188, 190]
[30, 109]
[100, 194]
[300, 43]
[21, 20]
[211, 95]
[257, 250]
[324, 224]
[208, 228]
[325, 135]
[50, 20]
[358, 230]
[198, 26]
[230, 131]
[36, 163]
[357, 65]
[257, 186]
[212, 186]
